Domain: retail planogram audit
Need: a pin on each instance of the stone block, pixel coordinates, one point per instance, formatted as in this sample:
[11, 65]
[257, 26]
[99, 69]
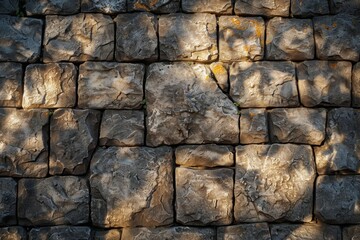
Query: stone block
[356, 85]
[60, 233]
[340, 152]
[185, 105]
[10, 84]
[157, 6]
[13, 233]
[132, 187]
[8, 195]
[297, 125]
[301, 8]
[258, 231]
[107, 6]
[47, 7]
[112, 234]
[241, 38]
[110, 85]
[204, 197]
[188, 37]
[79, 37]
[20, 38]
[253, 126]
[73, 138]
[269, 8]
[351, 232]
[50, 85]
[122, 128]
[345, 6]
[53, 201]
[274, 183]
[221, 73]
[24, 142]
[289, 39]
[9, 6]
[210, 6]
[323, 83]
[136, 37]
[209, 155]
[263, 84]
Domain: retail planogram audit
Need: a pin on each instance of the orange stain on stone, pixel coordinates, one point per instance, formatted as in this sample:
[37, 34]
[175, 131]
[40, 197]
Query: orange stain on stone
[219, 69]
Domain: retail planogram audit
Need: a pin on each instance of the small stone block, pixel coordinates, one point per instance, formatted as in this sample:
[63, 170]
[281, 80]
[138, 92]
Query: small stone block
[351, 232]
[210, 6]
[60, 233]
[47, 7]
[221, 73]
[107, 6]
[258, 231]
[253, 126]
[112, 234]
[269, 8]
[8, 195]
[13, 233]
[157, 6]
[10, 84]
[301, 8]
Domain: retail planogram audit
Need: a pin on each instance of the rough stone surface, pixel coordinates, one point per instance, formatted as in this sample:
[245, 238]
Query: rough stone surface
[241, 38]
[210, 6]
[351, 233]
[80, 37]
[267, 8]
[258, 231]
[132, 187]
[337, 199]
[209, 155]
[274, 182]
[356, 85]
[60, 233]
[253, 126]
[297, 125]
[263, 84]
[110, 85]
[50, 85]
[112, 234]
[73, 139]
[185, 105]
[289, 39]
[122, 128]
[324, 83]
[136, 37]
[42, 7]
[103, 6]
[188, 37]
[345, 6]
[8, 194]
[20, 38]
[221, 73]
[341, 149]
[303, 8]
[10, 84]
[204, 197]
[9, 6]
[23, 144]
[157, 6]
[53, 201]
[13, 233]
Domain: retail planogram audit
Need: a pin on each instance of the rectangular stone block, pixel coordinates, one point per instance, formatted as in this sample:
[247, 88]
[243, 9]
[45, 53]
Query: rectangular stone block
[110, 85]
[47, 7]
[263, 84]
[301, 8]
[9, 6]
[258, 231]
[112, 234]
[13, 233]
[61, 233]
[8, 195]
[80, 37]
[209, 6]
[157, 6]
[241, 38]
[107, 7]
[10, 84]
[356, 85]
[253, 126]
[345, 6]
[269, 8]
[221, 74]
[351, 232]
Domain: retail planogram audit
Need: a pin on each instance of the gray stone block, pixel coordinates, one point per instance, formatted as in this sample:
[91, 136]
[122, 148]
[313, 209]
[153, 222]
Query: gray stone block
[60, 233]
[112, 234]
[104, 6]
[46, 7]
[356, 85]
[13, 233]
[345, 6]
[253, 126]
[8, 195]
[9, 6]
[258, 231]
[221, 73]
[301, 8]
[269, 8]
[351, 232]
[210, 6]
[157, 6]
[10, 84]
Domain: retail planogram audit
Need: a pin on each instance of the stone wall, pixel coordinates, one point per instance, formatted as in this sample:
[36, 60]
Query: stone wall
[169, 119]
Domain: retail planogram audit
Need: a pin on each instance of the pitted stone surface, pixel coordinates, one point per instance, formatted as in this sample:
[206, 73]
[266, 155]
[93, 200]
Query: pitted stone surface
[356, 85]
[241, 38]
[110, 85]
[301, 8]
[80, 37]
[267, 8]
[23, 144]
[42, 7]
[345, 6]
[53, 201]
[274, 182]
[112, 234]
[258, 231]
[210, 6]
[103, 6]
[20, 38]
[136, 37]
[73, 139]
[132, 187]
[341, 149]
[263, 84]
[122, 128]
[188, 37]
[185, 105]
[157, 6]
[221, 73]
[61, 233]
[10, 84]
[351, 232]
[13, 233]
[8, 195]
[50, 85]
[9, 6]
[253, 126]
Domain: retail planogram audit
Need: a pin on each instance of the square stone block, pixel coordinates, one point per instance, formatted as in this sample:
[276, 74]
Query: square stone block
[351, 232]
[157, 6]
[253, 126]
[10, 84]
[47, 7]
[221, 73]
[112, 234]
[210, 6]
[107, 7]
[301, 8]
[60, 233]
[8, 195]
[258, 231]
[356, 85]
[345, 6]
[13, 233]
[269, 8]
[9, 6]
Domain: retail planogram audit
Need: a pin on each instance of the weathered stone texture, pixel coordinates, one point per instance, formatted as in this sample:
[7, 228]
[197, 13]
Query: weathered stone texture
[241, 38]
[274, 182]
[351, 233]
[301, 8]
[210, 6]
[341, 150]
[23, 145]
[132, 187]
[50, 85]
[337, 199]
[9, 6]
[188, 37]
[253, 126]
[42, 7]
[185, 105]
[110, 85]
[204, 197]
[324, 83]
[10, 84]
[73, 139]
[60, 233]
[103, 6]
[356, 85]
[258, 231]
[12, 233]
[157, 6]
[221, 73]
[8, 195]
[20, 39]
[209, 155]
[80, 37]
[112, 234]
[53, 201]
[345, 6]
[263, 84]
[268, 8]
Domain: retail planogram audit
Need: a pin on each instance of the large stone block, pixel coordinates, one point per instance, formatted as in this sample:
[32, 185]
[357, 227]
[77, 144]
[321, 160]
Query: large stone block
[20, 38]
[301, 8]
[108, 6]
[47, 7]
[13, 233]
[340, 152]
[258, 231]
[10, 84]
[9, 6]
[274, 183]
[267, 8]
[73, 138]
[221, 73]
[110, 85]
[112, 234]
[80, 37]
[351, 232]
[241, 38]
[60, 233]
[157, 6]
[185, 105]
[188, 37]
[263, 84]
[132, 187]
[50, 85]
[345, 6]
[8, 195]
[356, 85]
[24, 142]
[253, 126]
[210, 6]
[53, 201]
